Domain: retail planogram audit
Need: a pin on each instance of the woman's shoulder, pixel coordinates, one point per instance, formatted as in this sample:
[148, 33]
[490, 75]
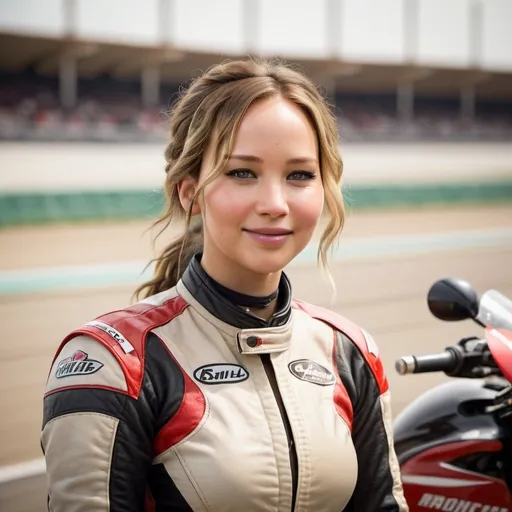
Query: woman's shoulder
[351, 334]
[117, 340]
[356, 333]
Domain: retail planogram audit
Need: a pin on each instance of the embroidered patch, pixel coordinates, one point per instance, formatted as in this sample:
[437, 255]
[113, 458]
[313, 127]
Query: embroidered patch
[125, 344]
[78, 364]
[309, 371]
[221, 373]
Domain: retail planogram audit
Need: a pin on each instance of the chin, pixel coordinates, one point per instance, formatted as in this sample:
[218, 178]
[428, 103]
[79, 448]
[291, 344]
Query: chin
[267, 262]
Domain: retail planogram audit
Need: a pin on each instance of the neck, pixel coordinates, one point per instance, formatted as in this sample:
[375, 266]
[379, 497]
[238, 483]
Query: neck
[249, 284]
[243, 281]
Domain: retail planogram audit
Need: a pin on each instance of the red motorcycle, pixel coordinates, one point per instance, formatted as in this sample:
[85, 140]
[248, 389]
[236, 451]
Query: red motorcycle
[454, 442]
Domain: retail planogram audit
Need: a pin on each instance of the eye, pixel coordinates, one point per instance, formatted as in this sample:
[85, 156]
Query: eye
[301, 176]
[241, 173]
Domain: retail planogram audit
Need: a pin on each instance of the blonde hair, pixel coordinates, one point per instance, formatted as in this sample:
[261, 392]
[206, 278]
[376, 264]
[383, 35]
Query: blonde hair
[217, 101]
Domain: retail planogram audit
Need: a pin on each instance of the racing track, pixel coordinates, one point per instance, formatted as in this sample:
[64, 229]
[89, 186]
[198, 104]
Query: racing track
[384, 293]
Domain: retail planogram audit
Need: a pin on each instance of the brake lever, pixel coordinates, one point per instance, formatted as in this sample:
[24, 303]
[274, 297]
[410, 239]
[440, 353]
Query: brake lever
[502, 403]
[479, 346]
[477, 361]
[484, 371]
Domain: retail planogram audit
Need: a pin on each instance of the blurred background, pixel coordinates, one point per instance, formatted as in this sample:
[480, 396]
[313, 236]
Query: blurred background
[422, 90]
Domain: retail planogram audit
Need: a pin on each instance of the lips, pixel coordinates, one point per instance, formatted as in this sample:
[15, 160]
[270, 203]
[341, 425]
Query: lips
[269, 231]
[269, 237]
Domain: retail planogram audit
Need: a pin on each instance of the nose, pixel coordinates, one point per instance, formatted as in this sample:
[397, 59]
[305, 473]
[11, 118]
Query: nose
[272, 200]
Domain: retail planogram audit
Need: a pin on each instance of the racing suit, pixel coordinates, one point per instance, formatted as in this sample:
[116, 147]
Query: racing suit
[185, 402]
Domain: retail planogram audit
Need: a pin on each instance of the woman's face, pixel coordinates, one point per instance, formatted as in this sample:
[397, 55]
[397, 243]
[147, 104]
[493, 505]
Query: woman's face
[264, 207]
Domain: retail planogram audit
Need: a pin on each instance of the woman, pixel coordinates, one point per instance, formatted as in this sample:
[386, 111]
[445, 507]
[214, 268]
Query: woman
[218, 391]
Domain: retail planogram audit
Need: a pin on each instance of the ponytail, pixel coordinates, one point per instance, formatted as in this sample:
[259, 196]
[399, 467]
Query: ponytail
[170, 265]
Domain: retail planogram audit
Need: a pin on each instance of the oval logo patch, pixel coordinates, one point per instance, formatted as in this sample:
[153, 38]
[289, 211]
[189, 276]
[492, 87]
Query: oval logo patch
[221, 373]
[305, 369]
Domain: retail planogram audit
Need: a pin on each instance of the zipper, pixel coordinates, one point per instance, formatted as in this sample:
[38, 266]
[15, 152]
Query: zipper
[271, 375]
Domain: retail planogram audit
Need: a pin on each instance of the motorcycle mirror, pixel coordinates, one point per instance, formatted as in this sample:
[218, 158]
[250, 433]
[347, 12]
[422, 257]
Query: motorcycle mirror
[452, 300]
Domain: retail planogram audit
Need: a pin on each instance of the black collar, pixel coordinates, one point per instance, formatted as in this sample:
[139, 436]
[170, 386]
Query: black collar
[202, 287]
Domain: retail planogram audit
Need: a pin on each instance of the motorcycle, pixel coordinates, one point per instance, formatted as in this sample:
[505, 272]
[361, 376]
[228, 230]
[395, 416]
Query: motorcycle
[454, 442]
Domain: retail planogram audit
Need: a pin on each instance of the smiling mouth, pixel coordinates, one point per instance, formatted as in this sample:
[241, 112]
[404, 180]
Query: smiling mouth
[269, 237]
[270, 232]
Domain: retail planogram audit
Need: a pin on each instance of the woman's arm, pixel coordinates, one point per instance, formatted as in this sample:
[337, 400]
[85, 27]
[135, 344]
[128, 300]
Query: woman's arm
[97, 439]
[379, 486]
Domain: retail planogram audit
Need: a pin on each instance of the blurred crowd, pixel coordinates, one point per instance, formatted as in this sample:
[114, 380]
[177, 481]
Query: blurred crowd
[109, 111]
[375, 118]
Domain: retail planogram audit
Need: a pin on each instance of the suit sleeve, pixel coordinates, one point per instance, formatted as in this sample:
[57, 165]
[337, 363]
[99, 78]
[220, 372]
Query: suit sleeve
[96, 438]
[379, 486]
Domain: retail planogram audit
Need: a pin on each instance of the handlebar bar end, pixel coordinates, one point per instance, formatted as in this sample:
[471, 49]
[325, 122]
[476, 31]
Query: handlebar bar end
[405, 365]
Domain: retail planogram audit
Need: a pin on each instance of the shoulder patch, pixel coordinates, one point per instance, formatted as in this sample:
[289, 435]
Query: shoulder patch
[124, 333]
[85, 363]
[77, 364]
[123, 342]
[361, 338]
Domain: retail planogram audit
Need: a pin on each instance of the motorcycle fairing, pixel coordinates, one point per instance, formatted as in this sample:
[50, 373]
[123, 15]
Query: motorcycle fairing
[431, 481]
[500, 345]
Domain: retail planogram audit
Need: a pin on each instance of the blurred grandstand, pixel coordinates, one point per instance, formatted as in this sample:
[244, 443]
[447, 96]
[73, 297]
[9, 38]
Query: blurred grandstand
[112, 109]
[109, 109]
[68, 89]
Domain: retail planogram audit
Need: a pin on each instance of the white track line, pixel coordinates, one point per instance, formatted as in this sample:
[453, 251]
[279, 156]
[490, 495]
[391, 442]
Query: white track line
[36, 467]
[39, 280]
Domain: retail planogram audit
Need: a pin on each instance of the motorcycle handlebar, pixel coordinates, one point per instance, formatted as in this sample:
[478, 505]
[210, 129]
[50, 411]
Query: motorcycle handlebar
[447, 361]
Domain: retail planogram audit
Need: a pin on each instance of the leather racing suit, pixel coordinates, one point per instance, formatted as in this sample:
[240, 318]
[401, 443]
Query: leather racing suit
[185, 402]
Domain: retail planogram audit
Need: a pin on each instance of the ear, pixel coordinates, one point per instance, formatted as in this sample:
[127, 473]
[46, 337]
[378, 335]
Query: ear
[186, 191]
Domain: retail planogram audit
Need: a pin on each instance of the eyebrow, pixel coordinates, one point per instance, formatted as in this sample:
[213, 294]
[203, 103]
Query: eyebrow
[252, 158]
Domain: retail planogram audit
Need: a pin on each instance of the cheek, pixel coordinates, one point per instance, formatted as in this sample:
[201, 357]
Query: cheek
[308, 207]
[225, 206]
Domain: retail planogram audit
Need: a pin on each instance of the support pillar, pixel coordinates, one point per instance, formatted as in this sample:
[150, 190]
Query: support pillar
[467, 104]
[150, 86]
[405, 103]
[329, 88]
[68, 81]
